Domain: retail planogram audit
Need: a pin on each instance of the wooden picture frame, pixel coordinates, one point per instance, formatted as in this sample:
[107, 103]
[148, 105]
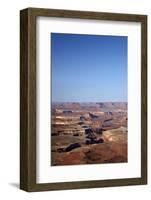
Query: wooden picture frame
[28, 99]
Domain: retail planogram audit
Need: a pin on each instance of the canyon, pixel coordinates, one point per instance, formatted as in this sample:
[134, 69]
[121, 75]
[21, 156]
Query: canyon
[88, 133]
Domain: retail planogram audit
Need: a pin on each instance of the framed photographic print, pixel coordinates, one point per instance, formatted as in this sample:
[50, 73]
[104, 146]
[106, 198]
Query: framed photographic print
[83, 99]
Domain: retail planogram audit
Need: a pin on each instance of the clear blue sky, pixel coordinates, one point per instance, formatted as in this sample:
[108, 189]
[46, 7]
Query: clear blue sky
[88, 68]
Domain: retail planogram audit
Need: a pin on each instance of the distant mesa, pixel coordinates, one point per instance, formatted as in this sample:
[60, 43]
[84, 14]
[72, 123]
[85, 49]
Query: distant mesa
[68, 105]
[117, 105]
[72, 106]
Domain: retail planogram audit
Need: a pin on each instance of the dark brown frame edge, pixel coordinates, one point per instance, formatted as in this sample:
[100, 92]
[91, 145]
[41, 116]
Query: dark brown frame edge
[28, 98]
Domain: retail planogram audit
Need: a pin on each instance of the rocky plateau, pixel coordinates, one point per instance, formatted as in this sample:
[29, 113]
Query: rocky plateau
[88, 133]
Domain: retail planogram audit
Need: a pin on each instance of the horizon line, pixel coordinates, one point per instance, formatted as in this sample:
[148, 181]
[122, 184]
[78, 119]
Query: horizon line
[89, 101]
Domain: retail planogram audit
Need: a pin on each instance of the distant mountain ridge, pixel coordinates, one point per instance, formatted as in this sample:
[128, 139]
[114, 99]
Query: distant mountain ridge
[122, 105]
[101, 105]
